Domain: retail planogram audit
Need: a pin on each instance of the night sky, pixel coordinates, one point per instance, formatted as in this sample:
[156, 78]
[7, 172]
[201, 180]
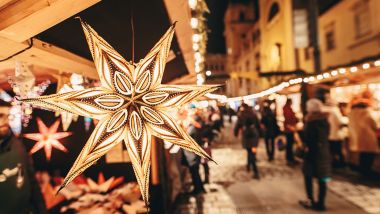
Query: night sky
[215, 21]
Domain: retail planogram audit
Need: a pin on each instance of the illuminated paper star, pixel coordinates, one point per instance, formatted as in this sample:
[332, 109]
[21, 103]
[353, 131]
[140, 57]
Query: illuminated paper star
[47, 138]
[66, 117]
[131, 105]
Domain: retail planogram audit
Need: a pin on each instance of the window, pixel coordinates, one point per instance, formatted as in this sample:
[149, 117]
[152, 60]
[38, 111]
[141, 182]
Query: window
[241, 16]
[274, 10]
[256, 37]
[247, 65]
[306, 53]
[257, 61]
[362, 18]
[330, 40]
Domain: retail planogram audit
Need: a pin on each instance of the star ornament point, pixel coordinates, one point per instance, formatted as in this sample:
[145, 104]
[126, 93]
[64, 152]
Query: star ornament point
[131, 106]
[47, 138]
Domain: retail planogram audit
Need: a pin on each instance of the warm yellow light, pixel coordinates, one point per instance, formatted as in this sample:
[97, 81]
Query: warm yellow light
[366, 65]
[208, 73]
[194, 23]
[193, 4]
[342, 70]
[198, 56]
[196, 37]
[334, 73]
[197, 69]
[195, 46]
[353, 69]
[326, 75]
[319, 77]
[377, 63]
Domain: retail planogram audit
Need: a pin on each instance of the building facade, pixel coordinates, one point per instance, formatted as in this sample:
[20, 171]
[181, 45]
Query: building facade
[269, 36]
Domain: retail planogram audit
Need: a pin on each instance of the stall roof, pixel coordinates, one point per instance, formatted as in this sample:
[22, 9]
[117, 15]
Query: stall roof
[58, 43]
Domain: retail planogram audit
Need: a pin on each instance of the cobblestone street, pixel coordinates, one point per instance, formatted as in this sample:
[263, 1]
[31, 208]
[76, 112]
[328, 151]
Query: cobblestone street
[233, 190]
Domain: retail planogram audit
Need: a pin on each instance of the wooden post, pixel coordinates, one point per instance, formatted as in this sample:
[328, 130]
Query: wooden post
[155, 165]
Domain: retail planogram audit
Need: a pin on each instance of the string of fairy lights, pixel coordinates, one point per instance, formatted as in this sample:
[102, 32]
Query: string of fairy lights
[199, 37]
[309, 79]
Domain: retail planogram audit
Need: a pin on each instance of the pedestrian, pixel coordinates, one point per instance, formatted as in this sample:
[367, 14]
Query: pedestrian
[271, 131]
[317, 154]
[289, 130]
[249, 126]
[190, 159]
[336, 134]
[19, 189]
[362, 134]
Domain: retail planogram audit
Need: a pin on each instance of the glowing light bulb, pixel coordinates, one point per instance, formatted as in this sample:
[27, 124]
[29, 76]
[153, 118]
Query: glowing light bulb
[208, 73]
[194, 23]
[366, 66]
[193, 4]
[195, 46]
[377, 63]
[196, 37]
[353, 69]
[334, 73]
[342, 70]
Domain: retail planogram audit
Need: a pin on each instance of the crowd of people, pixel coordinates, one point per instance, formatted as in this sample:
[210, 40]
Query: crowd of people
[325, 131]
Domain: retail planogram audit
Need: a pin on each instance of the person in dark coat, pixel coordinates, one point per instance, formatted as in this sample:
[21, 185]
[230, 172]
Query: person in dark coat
[289, 129]
[317, 161]
[19, 190]
[271, 131]
[249, 125]
[191, 160]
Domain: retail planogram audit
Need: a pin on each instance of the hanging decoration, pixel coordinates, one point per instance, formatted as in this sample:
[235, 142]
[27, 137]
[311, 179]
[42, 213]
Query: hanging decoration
[131, 105]
[23, 85]
[47, 138]
[14, 113]
[103, 185]
[198, 24]
[65, 85]
[66, 117]
[312, 79]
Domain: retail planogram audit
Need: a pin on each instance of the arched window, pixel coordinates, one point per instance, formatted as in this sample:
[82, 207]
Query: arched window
[274, 9]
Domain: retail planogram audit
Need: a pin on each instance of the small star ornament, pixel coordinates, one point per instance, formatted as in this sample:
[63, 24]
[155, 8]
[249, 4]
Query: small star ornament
[47, 138]
[131, 105]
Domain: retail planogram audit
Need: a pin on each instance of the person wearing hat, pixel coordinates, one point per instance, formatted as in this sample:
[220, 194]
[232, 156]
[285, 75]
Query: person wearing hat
[317, 161]
[19, 190]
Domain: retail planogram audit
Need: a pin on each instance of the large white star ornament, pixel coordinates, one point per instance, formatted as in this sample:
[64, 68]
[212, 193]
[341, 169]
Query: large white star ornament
[131, 105]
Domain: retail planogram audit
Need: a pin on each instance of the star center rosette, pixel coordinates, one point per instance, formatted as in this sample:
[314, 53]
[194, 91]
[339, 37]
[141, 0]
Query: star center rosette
[131, 106]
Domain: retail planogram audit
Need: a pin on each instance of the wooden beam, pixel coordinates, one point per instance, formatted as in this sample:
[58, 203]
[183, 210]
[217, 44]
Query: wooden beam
[4, 3]
[47, 55]
[179, 11]
[20, 20]
[23, 19]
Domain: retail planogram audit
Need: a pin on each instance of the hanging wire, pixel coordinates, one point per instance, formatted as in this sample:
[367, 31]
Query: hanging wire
[133, 35]
[13, 55]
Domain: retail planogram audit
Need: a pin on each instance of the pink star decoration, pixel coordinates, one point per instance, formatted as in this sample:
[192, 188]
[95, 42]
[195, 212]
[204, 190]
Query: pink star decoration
[47, 138]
